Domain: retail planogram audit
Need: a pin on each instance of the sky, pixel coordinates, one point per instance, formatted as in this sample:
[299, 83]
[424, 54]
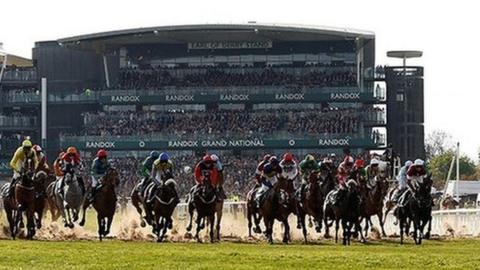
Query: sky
[446, 31]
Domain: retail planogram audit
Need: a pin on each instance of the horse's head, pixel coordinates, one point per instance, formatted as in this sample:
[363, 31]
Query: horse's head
[40, 179]
[111, 178]
[207, 190]
[167, 193]
[422, 194]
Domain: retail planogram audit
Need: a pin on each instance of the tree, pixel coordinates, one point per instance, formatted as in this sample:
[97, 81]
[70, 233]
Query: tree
[440, 164]
[437, 143]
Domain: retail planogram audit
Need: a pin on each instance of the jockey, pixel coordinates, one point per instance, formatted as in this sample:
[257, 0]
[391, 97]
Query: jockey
[372, 169]
[71, 160]
[402, 179]
[146, 168]
[358, 169]
[289, 167]
[307, 166]
[21, 155]
[162, 170]
[42, 160]
[206, 165]
[259, 170]
[219, 166]
[57, 166]
[99, 168]
[269, 176]
[344, 170]
[416, 173]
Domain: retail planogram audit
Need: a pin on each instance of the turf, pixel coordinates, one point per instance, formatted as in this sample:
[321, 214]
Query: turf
[114, 254]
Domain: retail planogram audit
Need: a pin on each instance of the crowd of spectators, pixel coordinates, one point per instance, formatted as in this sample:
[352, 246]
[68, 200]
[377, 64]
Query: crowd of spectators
[157, 78]
[221, 122]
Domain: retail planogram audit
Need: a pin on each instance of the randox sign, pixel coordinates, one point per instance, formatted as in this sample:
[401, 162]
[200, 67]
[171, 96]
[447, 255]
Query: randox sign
[254, 143]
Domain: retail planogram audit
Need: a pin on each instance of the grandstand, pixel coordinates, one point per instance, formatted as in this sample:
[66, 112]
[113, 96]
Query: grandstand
[239, 90]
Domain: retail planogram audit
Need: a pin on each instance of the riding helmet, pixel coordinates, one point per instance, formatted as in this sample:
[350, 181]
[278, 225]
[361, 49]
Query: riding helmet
[288, 157]
[27, 144]
[214, 157]
[419, 162]
[273, 161]
[408, 163]
[154, 154]
[207, 158]
[102, 153]
[164, 157]
[266, 157]
[268, 168]
[37, 148]
[73, 150]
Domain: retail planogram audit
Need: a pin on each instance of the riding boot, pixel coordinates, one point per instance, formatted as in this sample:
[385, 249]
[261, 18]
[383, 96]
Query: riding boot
[93, 193]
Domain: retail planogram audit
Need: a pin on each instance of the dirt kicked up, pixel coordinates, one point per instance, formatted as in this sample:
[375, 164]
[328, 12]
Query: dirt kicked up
[115, 254]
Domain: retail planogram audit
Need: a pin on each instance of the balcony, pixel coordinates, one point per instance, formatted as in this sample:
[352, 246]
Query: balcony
[20, 75]
[18, 122]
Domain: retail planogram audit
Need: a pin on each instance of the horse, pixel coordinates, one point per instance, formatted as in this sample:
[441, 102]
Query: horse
[138, 201]
[104, 202]
[204, 200]
[415, 206]
[449, 202]
[252, 212]
[344, 205]
[163, 204]
[278, 203]
[311, 204]
[68, 198]
[40, 183]
[51, 204]
[21, 201]
[372, 200]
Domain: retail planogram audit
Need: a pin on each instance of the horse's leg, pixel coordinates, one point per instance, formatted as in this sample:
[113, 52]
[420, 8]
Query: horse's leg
[382, 224]
[30, 222]
[197, 236]
[286, 234]
[108, 225]
[211, 220]
[301, 216]
[366, 225]
[337, 227]
[346, 231]
[327, 228]
[11, 221]
[249, 219]
[100, 227]
[219, 220]
[190, 213]
[136, 204]
[69, 222]
[85, 206]
[429, 229]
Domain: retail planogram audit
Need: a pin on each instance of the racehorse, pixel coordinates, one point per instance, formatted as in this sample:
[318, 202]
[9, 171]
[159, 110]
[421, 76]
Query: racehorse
[68, 198]
[138, 201]
[311, 204]
[104, 202]
[252, 211]
[163, 204]
[415, 206]
[51, 202]
[40, 183]
[278, 203]
[372, 200]
[344, 205]
[21, 201]
[203, 199]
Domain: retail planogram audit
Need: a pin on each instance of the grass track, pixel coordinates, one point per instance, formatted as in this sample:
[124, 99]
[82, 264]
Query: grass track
[113, 254]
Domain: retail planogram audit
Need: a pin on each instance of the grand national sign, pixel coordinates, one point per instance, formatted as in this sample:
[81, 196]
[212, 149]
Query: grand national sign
[223, 45]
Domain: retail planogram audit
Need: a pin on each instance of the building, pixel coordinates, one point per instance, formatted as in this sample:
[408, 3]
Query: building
[187, 71]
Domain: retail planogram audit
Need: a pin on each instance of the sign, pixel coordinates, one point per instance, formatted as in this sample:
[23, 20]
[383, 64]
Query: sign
[187, 144]
[222, 45]
[320, 96]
